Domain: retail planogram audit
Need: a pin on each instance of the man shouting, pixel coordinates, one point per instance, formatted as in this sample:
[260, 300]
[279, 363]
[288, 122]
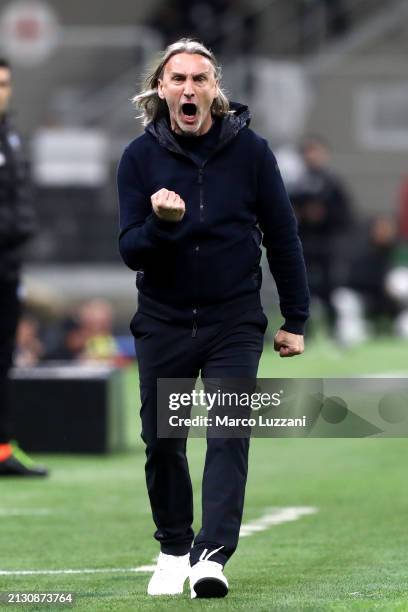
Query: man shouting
[199, 191]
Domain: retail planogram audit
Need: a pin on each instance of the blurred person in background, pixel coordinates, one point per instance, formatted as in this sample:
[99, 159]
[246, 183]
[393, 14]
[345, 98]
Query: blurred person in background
[29, 347]
[324, 181]
[403, 212]
[397, 278]
[96, 320]
[86, 336]
[192, 190]
[402, 223]
[17, 225]
[70, 343]
[324, 212]
[364, 305]
[397, 281]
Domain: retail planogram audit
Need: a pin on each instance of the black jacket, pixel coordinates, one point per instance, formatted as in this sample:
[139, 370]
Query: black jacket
[17, 220]
[206, 267]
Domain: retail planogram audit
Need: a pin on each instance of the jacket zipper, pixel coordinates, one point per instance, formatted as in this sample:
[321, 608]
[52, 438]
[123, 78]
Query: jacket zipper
[194, 332]
[200, 182]
[197, 247]
[201, 199]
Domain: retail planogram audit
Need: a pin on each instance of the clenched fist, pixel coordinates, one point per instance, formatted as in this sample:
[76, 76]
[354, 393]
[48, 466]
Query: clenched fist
[168, 205]
[287, 344]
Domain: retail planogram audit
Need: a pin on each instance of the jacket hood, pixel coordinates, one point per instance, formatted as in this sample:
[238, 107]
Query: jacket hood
[232, 123]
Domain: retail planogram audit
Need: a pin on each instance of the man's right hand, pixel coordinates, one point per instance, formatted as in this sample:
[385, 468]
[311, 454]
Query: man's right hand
[168, 205]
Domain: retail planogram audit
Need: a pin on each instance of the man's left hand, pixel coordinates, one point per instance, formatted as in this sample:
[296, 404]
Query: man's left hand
[287, 344]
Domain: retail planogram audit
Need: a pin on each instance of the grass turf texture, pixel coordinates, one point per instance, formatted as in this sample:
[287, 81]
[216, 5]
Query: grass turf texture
[349, 556]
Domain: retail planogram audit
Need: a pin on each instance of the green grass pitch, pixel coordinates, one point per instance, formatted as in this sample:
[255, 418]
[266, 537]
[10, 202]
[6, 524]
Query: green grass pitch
[351, 555]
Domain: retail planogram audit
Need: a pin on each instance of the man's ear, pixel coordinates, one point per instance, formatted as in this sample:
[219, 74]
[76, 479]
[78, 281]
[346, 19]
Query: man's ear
[160, 89]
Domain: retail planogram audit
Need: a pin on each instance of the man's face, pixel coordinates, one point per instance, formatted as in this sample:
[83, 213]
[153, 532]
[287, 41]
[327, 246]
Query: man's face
[5, 89]
[316, 155]
[189, 88]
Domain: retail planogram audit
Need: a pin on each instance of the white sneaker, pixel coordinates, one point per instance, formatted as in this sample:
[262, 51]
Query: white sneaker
[207, 580]
[170, 574]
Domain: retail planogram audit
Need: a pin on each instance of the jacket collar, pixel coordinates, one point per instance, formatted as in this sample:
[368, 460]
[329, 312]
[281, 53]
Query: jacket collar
[231, 125]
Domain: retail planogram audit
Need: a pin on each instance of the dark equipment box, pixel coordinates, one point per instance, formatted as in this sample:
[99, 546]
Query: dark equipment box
[68, 409]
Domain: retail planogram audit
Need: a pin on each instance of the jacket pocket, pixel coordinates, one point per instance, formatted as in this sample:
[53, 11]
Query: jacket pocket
[139, 326]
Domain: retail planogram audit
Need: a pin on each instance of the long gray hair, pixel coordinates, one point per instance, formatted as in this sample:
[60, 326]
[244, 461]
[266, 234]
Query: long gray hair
[148, 99]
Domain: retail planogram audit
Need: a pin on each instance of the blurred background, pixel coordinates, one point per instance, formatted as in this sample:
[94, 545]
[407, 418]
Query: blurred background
[327, 84]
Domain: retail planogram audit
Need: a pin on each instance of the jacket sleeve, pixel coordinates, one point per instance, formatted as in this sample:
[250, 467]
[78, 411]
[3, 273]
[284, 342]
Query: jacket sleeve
[18, 221]
[142, 233]
[283, 247]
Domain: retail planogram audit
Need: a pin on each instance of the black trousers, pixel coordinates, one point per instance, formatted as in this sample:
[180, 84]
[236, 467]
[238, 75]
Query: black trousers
[9, 314]
[229, 349]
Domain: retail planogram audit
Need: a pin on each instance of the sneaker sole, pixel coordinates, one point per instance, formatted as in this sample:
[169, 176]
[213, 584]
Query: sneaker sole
[210, 587]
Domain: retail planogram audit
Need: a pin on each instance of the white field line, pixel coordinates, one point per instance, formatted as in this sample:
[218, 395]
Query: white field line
[5, 512]
[276, 516]
[113, 570]
[399, 374]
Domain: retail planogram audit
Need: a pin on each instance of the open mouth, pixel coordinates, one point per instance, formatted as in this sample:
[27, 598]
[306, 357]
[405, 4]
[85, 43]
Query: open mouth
[189, 112]
[189, 109]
